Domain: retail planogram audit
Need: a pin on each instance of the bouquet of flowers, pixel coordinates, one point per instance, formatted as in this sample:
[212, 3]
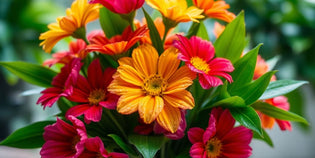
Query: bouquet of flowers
[143, 89]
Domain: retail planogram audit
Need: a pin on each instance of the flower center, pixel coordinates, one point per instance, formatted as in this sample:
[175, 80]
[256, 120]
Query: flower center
[154, 85]
[200, 64]
[96, 96]
[213, 147]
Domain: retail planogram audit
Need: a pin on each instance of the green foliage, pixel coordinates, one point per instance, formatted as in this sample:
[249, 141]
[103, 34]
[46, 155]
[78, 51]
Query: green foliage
[147, 145]
[193, 30]
[27, 137]
[64, 104]
[264, 137]
[247, 117]
[34, 74]
[231, 102]
[202, 32]
[126, 147]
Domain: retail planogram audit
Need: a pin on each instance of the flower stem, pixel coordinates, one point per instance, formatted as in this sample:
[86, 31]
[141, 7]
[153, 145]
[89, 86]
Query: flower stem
[116, 123]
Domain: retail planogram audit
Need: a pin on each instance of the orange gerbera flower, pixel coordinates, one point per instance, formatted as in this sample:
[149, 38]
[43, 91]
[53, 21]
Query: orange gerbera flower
[176, 10]
[80, 13]
[218, 29]
[215, 9]
[153, 86]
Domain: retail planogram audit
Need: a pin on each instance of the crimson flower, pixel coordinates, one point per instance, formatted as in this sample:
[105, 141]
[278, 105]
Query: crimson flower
[199, 54]
[91, 93]
[62, 84]
[120, 6]
[221, 138]
[63, 139]
[117, 44]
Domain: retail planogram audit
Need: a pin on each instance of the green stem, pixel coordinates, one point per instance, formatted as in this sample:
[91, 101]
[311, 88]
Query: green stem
[116, 123]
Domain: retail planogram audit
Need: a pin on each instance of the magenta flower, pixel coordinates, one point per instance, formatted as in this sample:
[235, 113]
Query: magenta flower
[63, 139]
[221, 138]
[120, 6]
[91, 93]
[199, 54]
[62, 84]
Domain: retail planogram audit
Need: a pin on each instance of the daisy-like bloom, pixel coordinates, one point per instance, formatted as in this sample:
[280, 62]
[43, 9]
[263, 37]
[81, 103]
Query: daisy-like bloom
[76, 50]
[218, 29]
[261, 68]
[94, 148]
[117, 44]
[199, 54]
[215, 9]
[80, 13]
[268, 122]
[176, 10]
[63, 139]
[62, 84]
[153, 86]
[91, 93]
[221, 138]
[120, 6]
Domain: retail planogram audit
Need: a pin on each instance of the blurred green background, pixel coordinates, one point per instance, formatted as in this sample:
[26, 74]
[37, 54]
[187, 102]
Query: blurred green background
[286, 27]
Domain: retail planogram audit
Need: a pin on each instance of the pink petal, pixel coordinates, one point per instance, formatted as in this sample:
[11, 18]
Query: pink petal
[210, 131]
[77, 110]
[94, 113]
[195, 134]
[197, 150]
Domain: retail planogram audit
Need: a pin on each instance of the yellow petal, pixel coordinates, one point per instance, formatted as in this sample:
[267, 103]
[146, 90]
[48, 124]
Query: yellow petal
[150, 107]
[128, 104]
[182, 99]
[169, 118]
[125, 61]
[130, 75]
[168, 63]
[178, 85]
[182, 72]
[120, 87]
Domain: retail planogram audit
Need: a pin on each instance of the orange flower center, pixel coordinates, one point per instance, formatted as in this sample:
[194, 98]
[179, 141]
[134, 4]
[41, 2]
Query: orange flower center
[96, 96]
[200, 64]
[213, 147]
[154, 85]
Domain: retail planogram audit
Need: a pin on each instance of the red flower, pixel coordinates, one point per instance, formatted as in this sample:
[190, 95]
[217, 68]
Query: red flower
[94, 147]
[92, 94]
[221, 138]
[117, 44]
[120, 6]
[76, 50]
[62, 84]
[199, 56]
[64, 140]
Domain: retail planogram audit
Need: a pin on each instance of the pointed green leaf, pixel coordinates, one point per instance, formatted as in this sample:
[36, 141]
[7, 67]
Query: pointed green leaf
[247, 117]
[31, 73]
[112, 23]
[252, 91]
[193, 30]
[154, 34]
[231, 42]
[277, 113]
[230, 102]
[244, 69]
[264, 137]
[64, 104]
[27, 137]
[147, 145]
[281, 87]
[126, 147]
[202, 32]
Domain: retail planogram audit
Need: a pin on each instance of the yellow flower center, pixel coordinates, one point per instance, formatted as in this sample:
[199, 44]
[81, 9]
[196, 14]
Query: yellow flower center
[96, 96]
[213, 147]
[154, 85]
[200, 64]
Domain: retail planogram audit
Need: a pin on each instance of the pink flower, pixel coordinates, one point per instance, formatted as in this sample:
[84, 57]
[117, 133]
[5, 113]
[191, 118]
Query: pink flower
[117, 44]
[94, 147]
[91, 93]
[120, 6]
[62, 84]
[76, 50]
[199, 54]
[221, 138]
[64, 140]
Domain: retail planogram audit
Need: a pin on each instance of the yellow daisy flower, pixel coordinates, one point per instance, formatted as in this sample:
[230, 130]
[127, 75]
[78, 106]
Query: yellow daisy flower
[154, 86]
[80, 13]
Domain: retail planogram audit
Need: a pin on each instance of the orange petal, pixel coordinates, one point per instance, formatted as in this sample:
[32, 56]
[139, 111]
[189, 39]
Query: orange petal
[182, 72]
[128, 104]
[178, 85]
[182, 99]
[150, 107]
[168, 63]
[130, 75]
[125, 61]
[169, 118]
[120, 87]
[267, 122]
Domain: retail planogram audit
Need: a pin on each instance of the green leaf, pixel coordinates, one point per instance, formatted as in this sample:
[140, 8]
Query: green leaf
[112, 23]
[189, 3]
[126, 147]
[233, 102]
[31, 73]
[252, 91]
[202, 32]
[281, 87]
[193, 30]
[244, 69]
[277, 113]
[264, 137]
[64, 104]
[27, 137]
[247, 117]
[154, 34]
[147, 145]
[231, 42]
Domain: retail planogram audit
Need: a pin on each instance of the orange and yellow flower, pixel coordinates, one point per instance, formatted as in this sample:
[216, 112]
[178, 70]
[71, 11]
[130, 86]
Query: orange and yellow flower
[176, 10]
[154, 86]
[80, 13]
[215, 9]
[218, 29]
